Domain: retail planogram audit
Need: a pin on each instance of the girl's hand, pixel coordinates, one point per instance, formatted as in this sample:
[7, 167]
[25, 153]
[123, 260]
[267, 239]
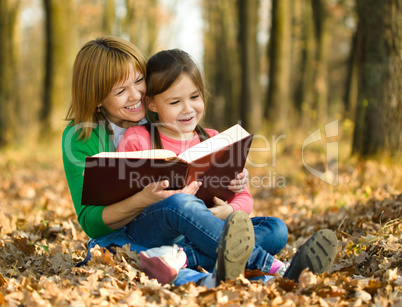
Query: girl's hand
[237, 185]
[155, 191]
[221, 209]
[192, 188]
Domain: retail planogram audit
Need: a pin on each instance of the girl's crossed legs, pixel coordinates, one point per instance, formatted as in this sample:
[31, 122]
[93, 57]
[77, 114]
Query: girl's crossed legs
[185, 220]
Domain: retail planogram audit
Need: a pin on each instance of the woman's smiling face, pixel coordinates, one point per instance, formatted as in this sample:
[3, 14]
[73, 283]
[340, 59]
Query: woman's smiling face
[124, 105]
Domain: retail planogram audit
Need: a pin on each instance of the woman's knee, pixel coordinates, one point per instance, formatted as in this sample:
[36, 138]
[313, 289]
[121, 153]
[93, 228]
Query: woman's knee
[271, 233]
[282, 231]
[281, 234]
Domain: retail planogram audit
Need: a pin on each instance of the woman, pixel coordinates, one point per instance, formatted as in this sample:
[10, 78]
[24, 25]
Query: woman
[108, 89]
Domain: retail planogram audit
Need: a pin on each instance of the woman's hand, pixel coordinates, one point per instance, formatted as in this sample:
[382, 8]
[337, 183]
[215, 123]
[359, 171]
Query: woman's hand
[237, 185]
[117, 215]
[221, 209]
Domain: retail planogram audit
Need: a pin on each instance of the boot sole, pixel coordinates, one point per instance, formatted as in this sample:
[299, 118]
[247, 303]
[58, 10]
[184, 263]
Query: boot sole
[235, 246]
[317, 253]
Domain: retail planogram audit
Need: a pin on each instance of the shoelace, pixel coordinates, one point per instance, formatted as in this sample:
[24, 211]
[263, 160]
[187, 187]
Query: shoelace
[175, 254]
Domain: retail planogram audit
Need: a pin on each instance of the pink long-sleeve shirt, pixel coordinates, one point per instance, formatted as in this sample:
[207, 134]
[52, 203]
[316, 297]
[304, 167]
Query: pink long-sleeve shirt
[138, 138]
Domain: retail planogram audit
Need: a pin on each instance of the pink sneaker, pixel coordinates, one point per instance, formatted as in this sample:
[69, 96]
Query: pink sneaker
[163, 263]
[278, 268]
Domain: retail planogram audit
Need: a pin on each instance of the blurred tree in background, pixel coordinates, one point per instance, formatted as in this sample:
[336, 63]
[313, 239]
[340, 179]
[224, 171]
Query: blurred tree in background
[60, 35]
[278, 105]
[379, 107]
[142, 23]
[8, 69]
[271, 64]
[250, 96]
[221, 62]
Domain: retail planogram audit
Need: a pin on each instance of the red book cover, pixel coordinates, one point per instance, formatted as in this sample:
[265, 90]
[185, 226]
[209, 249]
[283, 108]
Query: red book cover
[112, 177]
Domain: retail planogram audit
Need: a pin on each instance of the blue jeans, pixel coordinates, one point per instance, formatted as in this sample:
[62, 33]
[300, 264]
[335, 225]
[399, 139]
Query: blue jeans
[185, 220]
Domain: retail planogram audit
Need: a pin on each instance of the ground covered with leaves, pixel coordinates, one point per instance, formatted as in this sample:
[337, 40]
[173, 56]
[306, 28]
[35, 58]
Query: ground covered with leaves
[41, 241]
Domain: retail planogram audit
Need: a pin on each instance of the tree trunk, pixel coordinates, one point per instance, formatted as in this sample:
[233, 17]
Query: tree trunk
[153, 26]
[352, 77]
[8, 73]
[209, 12]
[298, 43]
[309, 60]
[109, 17]
[322, 18]
[132, 23]
[379, 112]
[58, 63]
[229, 63]
[278, 107]
[250, 99]
[142, 24]
[221, 63]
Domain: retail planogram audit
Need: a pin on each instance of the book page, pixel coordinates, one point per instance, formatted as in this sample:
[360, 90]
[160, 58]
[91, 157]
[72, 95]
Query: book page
[144, 154]
[215, 143]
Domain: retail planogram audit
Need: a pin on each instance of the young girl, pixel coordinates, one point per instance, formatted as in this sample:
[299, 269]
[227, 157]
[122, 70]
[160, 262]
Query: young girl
[175, 100]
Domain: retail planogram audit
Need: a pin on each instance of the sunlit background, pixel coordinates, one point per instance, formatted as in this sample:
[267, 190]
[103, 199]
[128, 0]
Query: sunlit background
[275, 66]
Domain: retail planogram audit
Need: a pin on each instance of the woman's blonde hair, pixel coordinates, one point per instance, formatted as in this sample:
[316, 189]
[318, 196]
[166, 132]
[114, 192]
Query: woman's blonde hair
[99, 66]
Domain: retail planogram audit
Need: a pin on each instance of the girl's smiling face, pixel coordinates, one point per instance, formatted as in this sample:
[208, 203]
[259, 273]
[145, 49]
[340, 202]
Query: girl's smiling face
[124, 105]
[180, 108]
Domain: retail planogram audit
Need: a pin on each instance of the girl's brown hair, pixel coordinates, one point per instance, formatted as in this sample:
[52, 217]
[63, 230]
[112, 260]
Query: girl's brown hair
[99, 66]
[163, 69]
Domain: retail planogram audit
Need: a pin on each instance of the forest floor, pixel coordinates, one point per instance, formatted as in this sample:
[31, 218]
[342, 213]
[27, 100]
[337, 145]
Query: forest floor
[41, 241]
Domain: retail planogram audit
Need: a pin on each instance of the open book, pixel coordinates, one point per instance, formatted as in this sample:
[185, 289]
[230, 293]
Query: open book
[110, 177]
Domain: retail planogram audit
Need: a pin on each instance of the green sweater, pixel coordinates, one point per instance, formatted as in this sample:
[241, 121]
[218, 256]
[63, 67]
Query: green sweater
[74, 153]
